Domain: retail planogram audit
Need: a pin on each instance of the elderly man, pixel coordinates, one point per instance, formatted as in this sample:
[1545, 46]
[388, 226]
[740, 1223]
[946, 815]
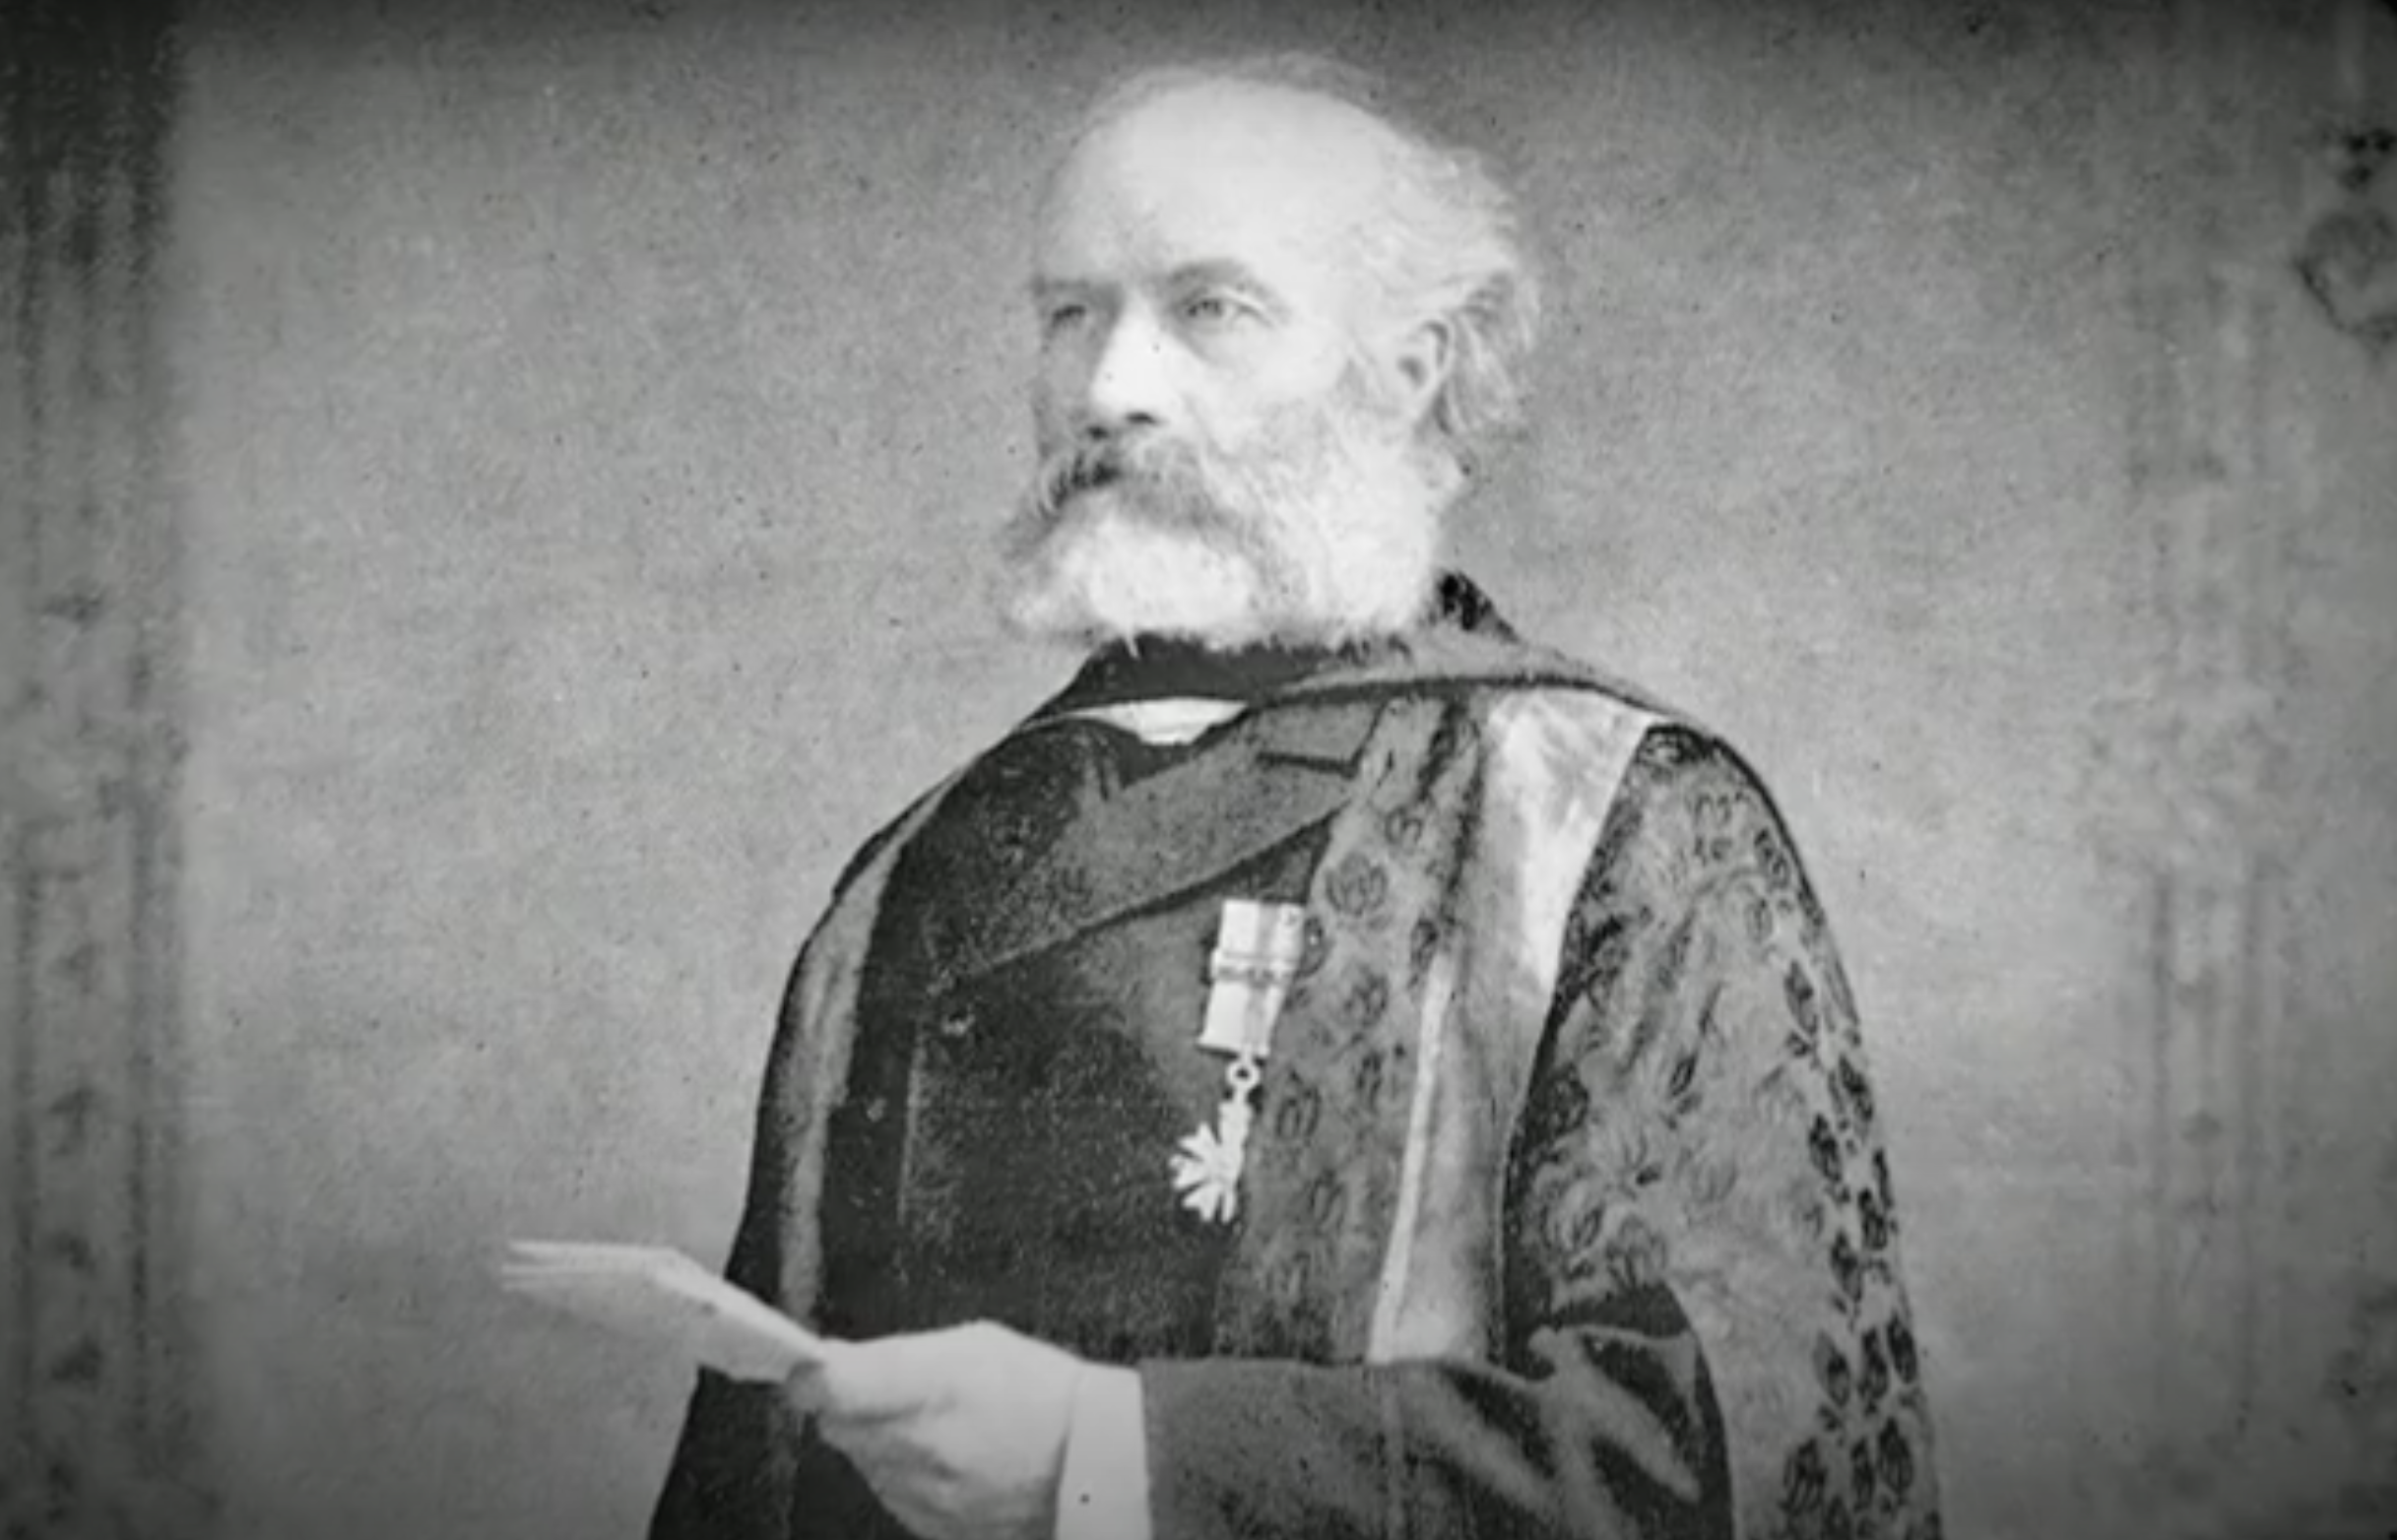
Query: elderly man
[1336, 1069]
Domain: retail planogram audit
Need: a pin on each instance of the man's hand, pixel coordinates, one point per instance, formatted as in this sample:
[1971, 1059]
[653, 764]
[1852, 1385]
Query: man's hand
[960, 1432]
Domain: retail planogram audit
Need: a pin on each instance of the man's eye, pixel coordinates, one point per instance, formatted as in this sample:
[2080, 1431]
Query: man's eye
[1060, 318]
[1210, 309]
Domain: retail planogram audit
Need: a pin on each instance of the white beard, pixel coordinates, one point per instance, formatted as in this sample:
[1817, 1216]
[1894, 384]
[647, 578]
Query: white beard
[1324, 537]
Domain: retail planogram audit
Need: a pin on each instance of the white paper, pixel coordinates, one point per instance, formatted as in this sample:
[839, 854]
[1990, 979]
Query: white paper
[662, 1296]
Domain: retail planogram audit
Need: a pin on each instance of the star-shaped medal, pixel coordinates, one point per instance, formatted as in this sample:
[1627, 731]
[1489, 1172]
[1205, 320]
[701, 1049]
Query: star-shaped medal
[1208, 1176]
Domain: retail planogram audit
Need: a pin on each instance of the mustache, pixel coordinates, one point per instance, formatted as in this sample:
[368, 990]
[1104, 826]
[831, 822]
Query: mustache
[1148, 462]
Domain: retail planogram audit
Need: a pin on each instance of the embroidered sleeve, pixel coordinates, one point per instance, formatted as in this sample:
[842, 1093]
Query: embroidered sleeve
[1704, 1128]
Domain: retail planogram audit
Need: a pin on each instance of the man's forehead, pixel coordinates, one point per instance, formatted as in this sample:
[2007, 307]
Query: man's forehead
[1226, 170]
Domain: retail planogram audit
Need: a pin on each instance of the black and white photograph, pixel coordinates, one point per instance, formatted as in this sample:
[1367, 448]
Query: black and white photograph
[968, 770]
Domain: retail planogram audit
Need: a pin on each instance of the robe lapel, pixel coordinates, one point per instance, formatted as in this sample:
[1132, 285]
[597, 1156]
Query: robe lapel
[1283, 769]
[1278, 773]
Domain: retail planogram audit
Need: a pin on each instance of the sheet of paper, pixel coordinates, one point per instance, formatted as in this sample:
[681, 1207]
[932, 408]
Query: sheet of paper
[664, 1297]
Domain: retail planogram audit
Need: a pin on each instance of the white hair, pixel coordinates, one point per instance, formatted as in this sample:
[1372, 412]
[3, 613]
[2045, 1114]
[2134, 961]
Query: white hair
[1446, 249]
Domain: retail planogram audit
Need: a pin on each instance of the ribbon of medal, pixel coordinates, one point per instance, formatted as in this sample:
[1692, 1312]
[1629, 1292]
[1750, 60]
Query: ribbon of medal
[1249, 975]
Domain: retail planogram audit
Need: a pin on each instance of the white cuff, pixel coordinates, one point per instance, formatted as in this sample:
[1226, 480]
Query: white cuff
[1102, 1492]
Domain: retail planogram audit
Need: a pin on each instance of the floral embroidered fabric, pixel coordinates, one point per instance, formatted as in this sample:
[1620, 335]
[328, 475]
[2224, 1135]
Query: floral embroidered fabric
[1704, 1117]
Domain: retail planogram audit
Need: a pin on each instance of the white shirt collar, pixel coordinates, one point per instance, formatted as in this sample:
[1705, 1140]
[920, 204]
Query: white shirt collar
[1168, 723]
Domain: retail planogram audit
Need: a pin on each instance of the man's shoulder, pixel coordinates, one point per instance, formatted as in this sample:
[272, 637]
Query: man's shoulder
[1551, 718]
[1497, 674]
[885, 842]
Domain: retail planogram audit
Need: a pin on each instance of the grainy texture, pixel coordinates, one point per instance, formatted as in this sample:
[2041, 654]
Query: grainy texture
[588, 419]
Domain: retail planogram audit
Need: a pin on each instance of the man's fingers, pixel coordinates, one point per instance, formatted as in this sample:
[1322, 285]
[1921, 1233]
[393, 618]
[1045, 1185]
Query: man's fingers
[823, 1385]
[862, 1382]
[805, 1387]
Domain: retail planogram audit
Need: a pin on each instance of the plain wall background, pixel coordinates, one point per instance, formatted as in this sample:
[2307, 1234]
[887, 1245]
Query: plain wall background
[594, 416]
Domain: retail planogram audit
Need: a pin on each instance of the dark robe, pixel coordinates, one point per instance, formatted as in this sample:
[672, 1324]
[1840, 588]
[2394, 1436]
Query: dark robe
[1567, 1209]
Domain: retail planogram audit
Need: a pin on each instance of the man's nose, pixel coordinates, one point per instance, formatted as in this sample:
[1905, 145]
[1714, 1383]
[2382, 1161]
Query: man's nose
[1128, 388]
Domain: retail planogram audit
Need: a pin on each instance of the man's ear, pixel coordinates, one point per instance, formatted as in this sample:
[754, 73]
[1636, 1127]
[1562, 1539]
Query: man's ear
[1420, 362]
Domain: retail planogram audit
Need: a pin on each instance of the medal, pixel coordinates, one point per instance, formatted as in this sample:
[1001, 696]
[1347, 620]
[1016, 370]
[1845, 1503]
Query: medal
[1255, 958]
